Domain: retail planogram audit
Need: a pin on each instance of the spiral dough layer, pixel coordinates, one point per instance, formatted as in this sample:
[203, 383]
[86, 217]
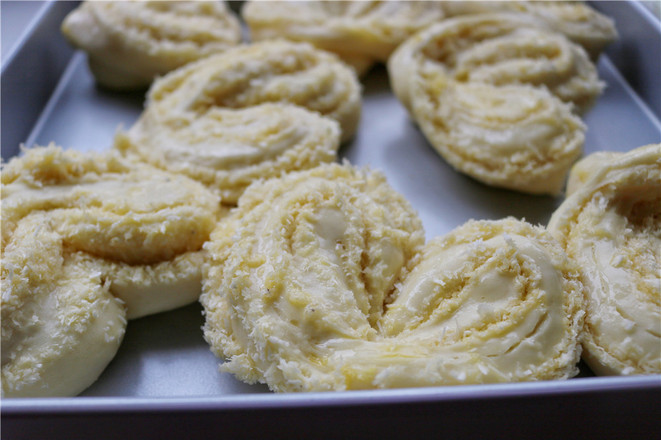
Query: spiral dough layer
[227, 149]
[129, 43]
[250, 75]
[585, 168]
[88, 241]
[482, 90]
[611, 225]
[321, 280]
[359, 32]
[252, 112]
[60, 324]
[576, 20]
[143, 228]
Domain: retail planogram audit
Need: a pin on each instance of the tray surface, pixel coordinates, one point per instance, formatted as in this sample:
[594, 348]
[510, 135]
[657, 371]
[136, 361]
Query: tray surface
[164, 356]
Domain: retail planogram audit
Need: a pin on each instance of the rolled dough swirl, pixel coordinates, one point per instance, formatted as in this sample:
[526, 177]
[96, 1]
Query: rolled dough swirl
[585, 168]
[320, 280]
[498, 49]
[611, 225]
[129, 43]
[478, 86]
[250, 75]
[253, 112]
[139, 228]
[576, 20]
[360, 32]
[60, 324]
[227, 149]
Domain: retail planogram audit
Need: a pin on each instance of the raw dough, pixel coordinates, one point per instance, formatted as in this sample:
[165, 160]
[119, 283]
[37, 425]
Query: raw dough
[611, 225]
[480, 89]
[250, 75]
[129, 43]
[359, 32]
[576, 20]
[141, 229]
[585, 168]
[226, 149]
[321, 280]
[60, 324]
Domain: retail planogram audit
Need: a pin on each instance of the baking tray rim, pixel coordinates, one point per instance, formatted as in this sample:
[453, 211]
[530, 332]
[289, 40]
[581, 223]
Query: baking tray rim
[266, 401]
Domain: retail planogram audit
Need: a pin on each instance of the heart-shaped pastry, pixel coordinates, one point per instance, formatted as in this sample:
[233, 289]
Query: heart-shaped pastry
[487, 92]
[321, 280]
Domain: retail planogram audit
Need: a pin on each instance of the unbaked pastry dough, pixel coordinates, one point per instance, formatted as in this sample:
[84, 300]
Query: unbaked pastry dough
[226, 149]
[360, 32]
[498, 49]
[250, 75]
[129, 43]
[321, 280]
[60, 324]
[611, 225]
[253, 112]
[479, 86]
[140, 229]
[576, 20]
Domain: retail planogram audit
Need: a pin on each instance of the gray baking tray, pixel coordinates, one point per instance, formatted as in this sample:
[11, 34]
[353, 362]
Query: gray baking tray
[164, 380]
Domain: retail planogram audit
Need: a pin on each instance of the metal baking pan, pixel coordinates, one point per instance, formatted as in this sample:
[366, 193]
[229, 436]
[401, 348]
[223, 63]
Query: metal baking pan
[164, 381]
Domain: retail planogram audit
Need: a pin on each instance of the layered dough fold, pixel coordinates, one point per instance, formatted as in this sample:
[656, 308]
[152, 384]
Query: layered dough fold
[585, 168]
[611, 225]
[227, 149]
[494, 94]
[574, 19]
[497, 49]
[321, 280]
[143, 227]
[360, 32]
[266, 72]
[88, 241]
[60, 324]
[252, 112]
[129, 43]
